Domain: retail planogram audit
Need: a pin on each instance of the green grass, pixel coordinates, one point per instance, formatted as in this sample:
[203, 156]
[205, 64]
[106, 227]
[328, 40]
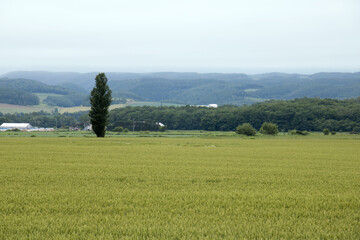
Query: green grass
[204, 187]
[42, 96]
[10, 108]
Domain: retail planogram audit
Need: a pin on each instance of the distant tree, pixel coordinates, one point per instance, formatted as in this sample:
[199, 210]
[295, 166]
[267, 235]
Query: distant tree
[118, 129]
[356, 130]
[246, 129]
[298, 132]
[326, 131]
[162, 128]
[269, 128]
[100, 101]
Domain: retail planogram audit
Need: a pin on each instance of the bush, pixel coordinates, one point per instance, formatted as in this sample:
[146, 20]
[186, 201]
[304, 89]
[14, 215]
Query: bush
[119, 129]
[269, 128]
[246, 129]
[162, 128]
[298, 132]
[13, 130]
[333, 132]
[356, 130]
[326, 131]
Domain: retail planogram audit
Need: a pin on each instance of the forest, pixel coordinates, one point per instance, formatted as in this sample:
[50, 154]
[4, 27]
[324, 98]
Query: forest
[188, 88]
[310, 114]
[17, 97]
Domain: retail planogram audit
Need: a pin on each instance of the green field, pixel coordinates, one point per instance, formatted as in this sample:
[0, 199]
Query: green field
[10, 108]
[200, 187]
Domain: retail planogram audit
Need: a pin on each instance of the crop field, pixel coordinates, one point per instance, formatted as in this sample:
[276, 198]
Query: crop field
[201, 187]
[10, 108]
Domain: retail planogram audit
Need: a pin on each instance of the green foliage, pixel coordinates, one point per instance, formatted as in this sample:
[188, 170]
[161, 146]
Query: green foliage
[60, 101]
[326, 131]
[118, 129]
[162, 128]
[246, 129]
[17, 97]
[13, 130]
[118, 101]
[298, 132]
[333, 132]
[31, 86]
[269, 128]
[356, 130]
[303, 114]
[100, 101]
[70, 100]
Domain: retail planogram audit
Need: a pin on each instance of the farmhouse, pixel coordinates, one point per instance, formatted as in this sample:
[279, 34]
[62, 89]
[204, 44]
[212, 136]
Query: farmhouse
[20, 126]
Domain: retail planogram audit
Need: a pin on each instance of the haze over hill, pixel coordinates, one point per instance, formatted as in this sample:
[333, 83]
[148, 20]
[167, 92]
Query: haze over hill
[72, 89]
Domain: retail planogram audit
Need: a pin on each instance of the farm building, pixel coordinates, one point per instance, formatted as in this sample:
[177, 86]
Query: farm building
[20, 126]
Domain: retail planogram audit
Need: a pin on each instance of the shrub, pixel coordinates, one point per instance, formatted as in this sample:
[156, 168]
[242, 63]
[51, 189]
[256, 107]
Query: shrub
[246, 129]
[356, 130]
[119, 129]
[298, 132]
[162, 128]
[333, 132]
[326, 131]
[269, 128]
[13, 130]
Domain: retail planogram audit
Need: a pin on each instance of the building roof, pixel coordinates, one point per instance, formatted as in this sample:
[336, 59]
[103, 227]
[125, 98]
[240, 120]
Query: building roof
[15, 125]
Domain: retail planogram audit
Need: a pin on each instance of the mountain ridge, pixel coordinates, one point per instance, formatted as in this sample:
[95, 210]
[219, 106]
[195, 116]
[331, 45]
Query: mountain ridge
[193, 88]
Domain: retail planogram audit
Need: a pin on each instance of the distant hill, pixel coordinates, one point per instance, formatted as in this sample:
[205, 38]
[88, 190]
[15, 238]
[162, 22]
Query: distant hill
[23, 92]
[32, 86]
[192, 88]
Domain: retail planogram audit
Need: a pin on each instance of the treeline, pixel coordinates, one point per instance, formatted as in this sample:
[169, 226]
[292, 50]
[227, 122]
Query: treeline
[306, 114]
[70, 100]
[32, 86]
[310, 114]
[44, 119]
[17, 97]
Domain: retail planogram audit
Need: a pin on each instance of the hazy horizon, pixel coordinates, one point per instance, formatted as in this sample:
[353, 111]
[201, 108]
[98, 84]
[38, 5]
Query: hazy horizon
[189, 36]
[251, 72]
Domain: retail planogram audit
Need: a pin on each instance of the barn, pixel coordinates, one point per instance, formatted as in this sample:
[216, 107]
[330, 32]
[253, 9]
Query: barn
[20, 126]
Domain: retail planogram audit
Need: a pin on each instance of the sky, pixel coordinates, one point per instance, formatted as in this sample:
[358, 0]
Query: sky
[303, 36]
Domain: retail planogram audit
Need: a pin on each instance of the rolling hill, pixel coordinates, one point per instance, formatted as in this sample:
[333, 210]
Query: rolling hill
[72, 89]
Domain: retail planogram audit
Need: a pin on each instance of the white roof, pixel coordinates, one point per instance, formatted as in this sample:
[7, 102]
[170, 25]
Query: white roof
[15, 125]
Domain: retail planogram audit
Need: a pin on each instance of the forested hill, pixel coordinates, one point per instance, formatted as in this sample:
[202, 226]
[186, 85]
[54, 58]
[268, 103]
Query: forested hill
[25, 92]
[32, 86]
[195, 88]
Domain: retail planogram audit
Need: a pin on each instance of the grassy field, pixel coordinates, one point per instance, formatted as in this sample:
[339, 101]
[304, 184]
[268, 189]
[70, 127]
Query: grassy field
[201, 187]
[10, 108]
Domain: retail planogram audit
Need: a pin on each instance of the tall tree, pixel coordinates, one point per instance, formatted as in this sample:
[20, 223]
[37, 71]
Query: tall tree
[100, 101]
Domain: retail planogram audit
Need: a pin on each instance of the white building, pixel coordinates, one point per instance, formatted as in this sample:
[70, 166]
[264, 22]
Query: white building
[20, 126]
[212, 105]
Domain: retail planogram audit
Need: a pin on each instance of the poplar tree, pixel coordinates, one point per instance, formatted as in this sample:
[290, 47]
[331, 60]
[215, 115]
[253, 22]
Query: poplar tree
[100, 101]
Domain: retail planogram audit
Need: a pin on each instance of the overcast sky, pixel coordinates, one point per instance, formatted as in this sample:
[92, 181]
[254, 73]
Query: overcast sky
[180, 35]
